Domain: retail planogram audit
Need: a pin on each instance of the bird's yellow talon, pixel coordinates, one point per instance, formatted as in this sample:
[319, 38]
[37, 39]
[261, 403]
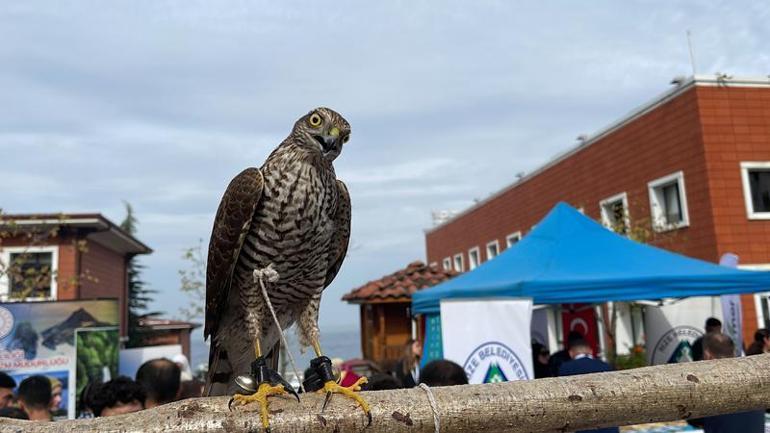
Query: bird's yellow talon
[332, 387]
[265, 390]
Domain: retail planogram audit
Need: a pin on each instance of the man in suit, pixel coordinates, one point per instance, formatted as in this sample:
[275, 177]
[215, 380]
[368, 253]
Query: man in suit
[583, 362]
[718, 346]
[713, 326]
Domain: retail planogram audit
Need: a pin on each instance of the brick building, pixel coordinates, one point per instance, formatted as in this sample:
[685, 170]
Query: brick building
[688, 171]
[81, 256]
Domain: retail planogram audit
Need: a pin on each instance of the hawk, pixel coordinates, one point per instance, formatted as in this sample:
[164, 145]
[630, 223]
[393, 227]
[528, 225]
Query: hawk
[293, 215]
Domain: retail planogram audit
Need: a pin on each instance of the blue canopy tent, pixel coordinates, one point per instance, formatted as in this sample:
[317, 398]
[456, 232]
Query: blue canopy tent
[569, 258]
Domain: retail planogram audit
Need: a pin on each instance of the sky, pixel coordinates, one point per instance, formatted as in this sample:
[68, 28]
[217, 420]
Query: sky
[160, 103]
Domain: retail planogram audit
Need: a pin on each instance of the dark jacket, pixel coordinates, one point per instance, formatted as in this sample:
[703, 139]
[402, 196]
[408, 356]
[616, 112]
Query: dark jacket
[697, 349]
[407, 381]
[584, 366]
[742, 422]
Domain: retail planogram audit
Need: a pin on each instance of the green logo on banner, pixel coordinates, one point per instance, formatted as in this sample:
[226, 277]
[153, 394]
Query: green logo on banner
[495, 374]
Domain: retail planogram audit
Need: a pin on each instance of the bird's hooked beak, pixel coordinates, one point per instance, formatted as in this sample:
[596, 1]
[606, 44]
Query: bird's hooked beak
[330, 141]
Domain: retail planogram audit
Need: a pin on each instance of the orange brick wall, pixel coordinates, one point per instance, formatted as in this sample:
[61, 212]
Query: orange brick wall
[659, 143]
[705, 132]
[103, 275]
[66, 277]
[736, 128]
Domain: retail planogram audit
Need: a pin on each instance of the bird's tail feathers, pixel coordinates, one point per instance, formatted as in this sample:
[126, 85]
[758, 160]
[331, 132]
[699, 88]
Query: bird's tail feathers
[220, 372]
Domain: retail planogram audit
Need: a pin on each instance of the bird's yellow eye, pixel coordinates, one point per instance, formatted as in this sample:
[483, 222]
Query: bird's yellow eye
[314, 120]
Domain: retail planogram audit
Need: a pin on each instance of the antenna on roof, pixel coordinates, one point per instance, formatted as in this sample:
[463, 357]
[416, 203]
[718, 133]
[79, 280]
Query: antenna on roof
[692, 52]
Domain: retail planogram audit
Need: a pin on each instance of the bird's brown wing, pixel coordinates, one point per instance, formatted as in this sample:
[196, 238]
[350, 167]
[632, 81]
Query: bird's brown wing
[231, 226]
[341, 238]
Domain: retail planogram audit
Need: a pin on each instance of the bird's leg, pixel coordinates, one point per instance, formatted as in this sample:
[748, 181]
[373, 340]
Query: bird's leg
[268, 382]
[323, 380]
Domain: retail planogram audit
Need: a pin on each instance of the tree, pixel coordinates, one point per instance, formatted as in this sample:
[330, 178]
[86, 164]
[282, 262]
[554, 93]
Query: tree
[644, 230]
[139, 296]
[193, 282]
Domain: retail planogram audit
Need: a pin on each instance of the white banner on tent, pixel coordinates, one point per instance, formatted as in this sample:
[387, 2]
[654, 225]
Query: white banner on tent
[489, 338]
[731, 309]
[672, 329]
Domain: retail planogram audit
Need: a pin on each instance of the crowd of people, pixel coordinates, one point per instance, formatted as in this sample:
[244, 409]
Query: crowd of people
[406, 373]
[161, 381]
[157, 382]
[578, 358]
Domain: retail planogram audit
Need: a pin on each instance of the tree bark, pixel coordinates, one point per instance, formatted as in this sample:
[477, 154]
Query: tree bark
[650, 394]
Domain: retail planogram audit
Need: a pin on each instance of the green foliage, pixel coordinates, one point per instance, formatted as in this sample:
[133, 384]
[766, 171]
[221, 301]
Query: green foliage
[139, 296]
[193, 282]
[95, 350]
[635, 359]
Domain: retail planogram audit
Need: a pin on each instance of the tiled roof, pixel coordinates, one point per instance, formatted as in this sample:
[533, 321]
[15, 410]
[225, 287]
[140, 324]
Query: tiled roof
[399, 285]
[101, 229]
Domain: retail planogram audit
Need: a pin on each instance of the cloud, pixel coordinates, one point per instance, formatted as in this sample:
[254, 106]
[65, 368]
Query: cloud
[162, 103]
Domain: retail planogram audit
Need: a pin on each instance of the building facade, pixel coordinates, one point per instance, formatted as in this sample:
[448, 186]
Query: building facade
[385, 310]
[689, 172]
[58, 257]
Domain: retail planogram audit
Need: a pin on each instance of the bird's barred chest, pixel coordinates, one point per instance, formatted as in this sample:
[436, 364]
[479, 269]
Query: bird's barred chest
[292, 228]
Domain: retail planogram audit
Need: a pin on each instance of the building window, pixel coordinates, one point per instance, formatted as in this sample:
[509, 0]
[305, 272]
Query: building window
[459, 263]
[512, 239]
[614, 211]
[29, 273]
[668, 202]
[474, 257]
[493, 249]
[447, 264]
[756, 189]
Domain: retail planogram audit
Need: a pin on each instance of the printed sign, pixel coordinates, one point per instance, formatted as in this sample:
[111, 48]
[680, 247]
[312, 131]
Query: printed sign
[672, 329]
[490, 339]
[39, 338]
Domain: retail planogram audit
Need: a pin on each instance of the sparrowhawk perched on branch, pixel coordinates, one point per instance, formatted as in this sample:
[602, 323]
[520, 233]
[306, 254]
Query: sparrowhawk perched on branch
[293, 215]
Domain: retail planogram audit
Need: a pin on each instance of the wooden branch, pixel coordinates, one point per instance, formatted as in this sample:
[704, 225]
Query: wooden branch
[651, 394]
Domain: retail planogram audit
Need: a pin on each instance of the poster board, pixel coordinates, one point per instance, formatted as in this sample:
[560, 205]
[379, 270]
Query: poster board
[39, 338]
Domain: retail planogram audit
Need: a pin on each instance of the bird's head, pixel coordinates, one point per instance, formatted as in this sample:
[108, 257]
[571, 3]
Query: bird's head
[323, 130]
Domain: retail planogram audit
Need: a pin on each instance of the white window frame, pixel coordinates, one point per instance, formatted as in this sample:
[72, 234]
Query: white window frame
[659, 223]
[745, 167]
[471, 252]
[623, 196]
[447, 263]
[508, 239]
[5, 253]
[494, 244]
[458, 262]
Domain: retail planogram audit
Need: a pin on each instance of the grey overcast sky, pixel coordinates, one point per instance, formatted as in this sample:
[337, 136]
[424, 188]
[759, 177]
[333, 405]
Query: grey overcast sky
[161, 103]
